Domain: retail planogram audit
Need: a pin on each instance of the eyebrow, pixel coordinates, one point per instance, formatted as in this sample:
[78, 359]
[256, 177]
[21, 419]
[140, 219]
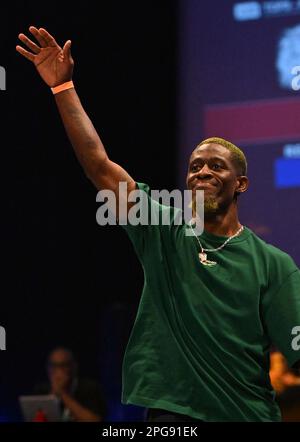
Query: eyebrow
[195, 160]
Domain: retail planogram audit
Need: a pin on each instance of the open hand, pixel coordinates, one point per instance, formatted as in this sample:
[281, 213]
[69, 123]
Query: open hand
[53, 63]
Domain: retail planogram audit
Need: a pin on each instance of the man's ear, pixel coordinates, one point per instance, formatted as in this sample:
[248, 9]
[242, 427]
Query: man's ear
[242, 184]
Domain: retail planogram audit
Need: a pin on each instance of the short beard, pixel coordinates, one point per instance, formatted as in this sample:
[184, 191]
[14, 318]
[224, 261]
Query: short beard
[211, 207]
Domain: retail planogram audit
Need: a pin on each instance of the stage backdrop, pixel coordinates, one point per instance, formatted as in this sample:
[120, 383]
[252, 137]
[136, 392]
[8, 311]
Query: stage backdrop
[235, 81]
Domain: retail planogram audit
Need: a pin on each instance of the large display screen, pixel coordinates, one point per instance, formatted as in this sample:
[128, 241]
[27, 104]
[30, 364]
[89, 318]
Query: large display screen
[239, 65]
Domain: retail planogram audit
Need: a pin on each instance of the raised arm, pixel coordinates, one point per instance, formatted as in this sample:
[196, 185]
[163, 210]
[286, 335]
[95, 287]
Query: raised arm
[55, 66]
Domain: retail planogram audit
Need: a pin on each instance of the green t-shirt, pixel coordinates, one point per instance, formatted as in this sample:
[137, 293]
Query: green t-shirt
[201, 338]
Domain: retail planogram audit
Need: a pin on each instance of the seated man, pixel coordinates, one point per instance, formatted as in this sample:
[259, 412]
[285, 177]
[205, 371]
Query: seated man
[81, 399]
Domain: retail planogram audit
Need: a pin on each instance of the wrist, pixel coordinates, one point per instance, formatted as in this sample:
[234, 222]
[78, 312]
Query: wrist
[62, 87]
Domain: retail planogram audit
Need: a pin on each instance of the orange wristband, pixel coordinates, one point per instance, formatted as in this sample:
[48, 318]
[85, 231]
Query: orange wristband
[62, 87]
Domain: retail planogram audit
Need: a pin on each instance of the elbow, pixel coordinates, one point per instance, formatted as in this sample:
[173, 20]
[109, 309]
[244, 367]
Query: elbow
[95, 167]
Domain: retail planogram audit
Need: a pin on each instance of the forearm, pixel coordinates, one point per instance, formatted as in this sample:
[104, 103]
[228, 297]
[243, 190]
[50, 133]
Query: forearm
[81, 132]
[80, 413]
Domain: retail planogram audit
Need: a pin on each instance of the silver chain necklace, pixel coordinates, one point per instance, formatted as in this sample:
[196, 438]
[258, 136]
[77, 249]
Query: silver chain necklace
[203, 255]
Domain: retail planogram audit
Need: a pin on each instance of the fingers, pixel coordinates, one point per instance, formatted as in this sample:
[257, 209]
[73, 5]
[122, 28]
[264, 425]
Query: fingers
[67, 49]
[44, 39]
[30, 44]
[47, 37]
[25, 53]
[36, 33]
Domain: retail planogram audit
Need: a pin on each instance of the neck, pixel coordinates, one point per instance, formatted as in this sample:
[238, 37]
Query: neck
[224, 224]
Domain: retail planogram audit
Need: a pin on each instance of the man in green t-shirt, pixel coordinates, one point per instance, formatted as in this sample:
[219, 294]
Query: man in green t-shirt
[212, 304]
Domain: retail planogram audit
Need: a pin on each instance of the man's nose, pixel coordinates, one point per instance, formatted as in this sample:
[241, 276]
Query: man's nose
[205, 172]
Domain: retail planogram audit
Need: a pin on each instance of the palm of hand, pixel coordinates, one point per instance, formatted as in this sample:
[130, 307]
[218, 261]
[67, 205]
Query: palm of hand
[54, 64]
[51, 65]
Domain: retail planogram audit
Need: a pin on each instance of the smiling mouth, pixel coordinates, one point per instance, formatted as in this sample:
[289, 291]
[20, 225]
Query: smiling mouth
[204, 186]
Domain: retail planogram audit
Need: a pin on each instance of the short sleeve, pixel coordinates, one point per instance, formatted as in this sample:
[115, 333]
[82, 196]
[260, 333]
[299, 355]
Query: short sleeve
[281, 315]
[155, 218]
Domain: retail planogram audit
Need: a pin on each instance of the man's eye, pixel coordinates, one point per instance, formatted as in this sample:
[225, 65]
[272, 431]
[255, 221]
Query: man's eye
[194, 168]
[216, 166]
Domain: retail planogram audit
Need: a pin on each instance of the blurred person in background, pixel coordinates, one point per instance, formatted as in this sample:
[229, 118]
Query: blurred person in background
[81, 399]
[286, 383]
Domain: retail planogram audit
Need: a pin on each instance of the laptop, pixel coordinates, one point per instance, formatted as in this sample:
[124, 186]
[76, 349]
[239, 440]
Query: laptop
[40, 408]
